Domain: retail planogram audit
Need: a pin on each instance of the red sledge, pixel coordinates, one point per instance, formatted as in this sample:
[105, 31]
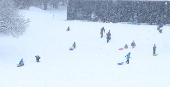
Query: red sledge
[120, 48]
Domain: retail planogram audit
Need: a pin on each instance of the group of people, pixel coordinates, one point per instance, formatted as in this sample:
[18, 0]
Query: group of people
[128, 55]
[109, 38]
[108, 34]
[74, 44]
[132, 44]
[21, 63]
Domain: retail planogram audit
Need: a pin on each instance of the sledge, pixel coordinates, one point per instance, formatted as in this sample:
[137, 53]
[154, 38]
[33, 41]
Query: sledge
[19, 65]
[155, 54]
[120, 48]
[71, 49]
[120, 63]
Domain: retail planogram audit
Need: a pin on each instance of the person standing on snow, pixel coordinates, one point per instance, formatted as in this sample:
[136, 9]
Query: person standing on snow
[128, 56]
[37, 58]
[126, 46]
[108, 36]
[133, 44]
[154, 49]
[74, 45]
[101, 32]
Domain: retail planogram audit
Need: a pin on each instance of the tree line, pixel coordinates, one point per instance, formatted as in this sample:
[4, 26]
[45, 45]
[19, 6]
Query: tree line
[44, 4]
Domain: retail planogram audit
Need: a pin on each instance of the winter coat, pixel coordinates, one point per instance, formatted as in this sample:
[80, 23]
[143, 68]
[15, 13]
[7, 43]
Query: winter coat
[154, 48]
[74, 44]
[21, 61]
[37, 57]
[127, 56]
[68, 29]
[133, 44]
[102, 30]
[108, 35]
[160, 25]
[126, 46]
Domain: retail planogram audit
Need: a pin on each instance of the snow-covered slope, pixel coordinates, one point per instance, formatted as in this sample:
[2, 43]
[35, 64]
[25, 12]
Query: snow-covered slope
[93, 63]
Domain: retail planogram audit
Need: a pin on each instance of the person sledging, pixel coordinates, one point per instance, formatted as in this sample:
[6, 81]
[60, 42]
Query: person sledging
[68, 29]
[126, 46]
[21, 63]
[74, 45]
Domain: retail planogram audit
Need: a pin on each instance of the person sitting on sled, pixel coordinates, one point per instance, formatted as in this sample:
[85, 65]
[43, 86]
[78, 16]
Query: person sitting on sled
[126, 46]
[37, 58]
[74, 45]
[128, 56]
[21, 63]
[68, 29]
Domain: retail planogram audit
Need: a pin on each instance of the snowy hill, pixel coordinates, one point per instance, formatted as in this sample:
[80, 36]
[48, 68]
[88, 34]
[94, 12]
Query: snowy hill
[94, 61]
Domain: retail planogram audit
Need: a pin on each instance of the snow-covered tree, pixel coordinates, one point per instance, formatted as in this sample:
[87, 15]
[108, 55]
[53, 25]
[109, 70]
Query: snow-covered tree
[11, 22]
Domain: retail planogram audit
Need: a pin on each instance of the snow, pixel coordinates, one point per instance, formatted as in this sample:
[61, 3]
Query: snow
[94, 61]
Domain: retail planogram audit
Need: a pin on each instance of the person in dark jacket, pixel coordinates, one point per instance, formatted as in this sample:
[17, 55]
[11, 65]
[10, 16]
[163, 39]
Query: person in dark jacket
[133, 44]
[154, 49]
[37, 58]
[127, 56]
[101, 32]
[68, 29]
[108, 36]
